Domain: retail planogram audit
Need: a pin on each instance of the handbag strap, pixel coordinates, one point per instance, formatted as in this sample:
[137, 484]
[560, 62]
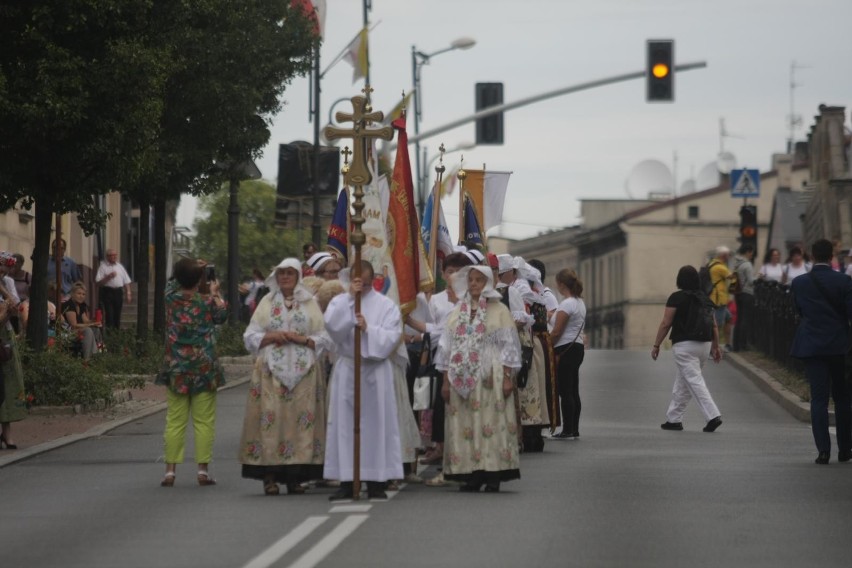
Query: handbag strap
[426, 349]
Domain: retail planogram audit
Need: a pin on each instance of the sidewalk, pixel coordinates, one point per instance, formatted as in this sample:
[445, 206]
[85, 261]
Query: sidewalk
[46, 429]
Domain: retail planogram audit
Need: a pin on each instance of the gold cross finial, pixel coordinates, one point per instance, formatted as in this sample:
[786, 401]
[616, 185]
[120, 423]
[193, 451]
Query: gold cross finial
[359, 172]
[440, 167]
[367, 90]
[346, 153]
[462, 174]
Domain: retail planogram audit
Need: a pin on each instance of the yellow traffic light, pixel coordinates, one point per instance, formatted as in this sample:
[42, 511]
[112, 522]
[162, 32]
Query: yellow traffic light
[660, 70]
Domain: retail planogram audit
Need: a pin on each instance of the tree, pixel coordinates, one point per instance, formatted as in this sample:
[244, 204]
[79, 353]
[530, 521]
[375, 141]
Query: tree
[80, 105]
[261, 244]
[233, 61]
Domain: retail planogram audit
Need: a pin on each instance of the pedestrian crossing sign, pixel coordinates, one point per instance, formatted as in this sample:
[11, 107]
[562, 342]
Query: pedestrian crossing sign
[745, 183]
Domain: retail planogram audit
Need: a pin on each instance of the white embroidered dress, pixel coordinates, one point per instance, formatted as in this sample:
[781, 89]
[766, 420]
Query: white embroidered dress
[481, 425]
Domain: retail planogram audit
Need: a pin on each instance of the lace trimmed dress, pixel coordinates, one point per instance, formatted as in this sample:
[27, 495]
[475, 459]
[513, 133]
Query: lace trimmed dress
[284, 428]
[482, 429]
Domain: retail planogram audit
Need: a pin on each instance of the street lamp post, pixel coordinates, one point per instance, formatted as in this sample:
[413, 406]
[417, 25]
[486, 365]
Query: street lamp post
[418, 59]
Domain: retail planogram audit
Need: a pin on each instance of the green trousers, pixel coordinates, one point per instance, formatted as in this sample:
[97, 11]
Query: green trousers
[202, 406]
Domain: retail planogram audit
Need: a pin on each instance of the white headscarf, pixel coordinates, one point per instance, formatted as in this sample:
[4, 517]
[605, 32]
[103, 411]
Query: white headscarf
[505, 263]
[299, 292]
[318, 259]
[459, 282]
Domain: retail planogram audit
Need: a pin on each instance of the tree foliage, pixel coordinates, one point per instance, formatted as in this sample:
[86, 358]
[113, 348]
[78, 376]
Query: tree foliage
[261, 244]
[141, 96]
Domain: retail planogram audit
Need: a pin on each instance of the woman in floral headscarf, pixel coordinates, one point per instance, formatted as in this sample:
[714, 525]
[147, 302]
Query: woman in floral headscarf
[479, 354]
[283, 439]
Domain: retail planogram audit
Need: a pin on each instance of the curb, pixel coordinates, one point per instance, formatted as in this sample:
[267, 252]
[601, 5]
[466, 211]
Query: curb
[774, 389]
[101, 429]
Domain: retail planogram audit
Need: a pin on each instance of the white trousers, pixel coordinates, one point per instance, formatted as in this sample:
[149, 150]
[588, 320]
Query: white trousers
[690, 357]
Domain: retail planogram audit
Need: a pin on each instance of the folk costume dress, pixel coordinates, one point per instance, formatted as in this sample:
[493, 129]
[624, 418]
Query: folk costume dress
[284, 427]
[481, 426]
[381, 458]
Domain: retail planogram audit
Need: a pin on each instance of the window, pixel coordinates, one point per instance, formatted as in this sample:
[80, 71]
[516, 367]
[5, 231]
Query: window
[692, 212]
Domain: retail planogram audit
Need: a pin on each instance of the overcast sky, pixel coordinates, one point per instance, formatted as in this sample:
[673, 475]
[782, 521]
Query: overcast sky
[585, 145]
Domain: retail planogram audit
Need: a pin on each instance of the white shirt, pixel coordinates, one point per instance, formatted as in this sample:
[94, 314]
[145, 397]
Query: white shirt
[9, 282]
[550, 301]
[792, 271]
[773, 272]
[576, 311]
[119, 280]
[439, 309]
[420, 313]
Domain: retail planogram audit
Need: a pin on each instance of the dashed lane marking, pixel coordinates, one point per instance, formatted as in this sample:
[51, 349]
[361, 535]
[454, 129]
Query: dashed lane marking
[329, 542]
[286, 543]
[350, 509]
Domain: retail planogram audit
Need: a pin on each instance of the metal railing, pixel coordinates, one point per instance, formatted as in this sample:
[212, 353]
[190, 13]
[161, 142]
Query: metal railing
[775, 322]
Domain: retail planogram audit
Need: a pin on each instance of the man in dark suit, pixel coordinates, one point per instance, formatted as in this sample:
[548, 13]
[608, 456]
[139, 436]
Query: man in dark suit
[824, 300]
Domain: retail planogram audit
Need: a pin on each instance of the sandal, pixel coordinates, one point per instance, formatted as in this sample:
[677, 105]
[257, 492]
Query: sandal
[168, 480]
[295, 489]
[437, 481]
[270, 488]
[204, 478]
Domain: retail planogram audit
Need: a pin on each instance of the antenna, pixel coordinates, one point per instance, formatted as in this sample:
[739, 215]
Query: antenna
[794, 120]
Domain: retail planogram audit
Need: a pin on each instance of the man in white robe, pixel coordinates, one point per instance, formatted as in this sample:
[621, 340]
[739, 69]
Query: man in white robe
[381, 331]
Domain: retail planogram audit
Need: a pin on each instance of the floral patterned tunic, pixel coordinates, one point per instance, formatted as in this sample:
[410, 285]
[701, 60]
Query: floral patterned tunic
[190, 366]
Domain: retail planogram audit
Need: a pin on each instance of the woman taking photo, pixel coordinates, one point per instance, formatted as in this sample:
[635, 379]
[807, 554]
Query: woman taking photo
[190, 371]
[689, 316]
[283, 439]
[567, 335]
[479, 354]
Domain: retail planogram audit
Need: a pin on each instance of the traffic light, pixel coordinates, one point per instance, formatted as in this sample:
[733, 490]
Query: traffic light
[489, 130]
[659, 71]
[748, 225]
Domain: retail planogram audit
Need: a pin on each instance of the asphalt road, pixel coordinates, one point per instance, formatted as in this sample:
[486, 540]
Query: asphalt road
[625, 494]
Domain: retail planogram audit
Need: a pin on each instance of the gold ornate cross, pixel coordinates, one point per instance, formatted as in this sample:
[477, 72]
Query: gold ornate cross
[359, 172]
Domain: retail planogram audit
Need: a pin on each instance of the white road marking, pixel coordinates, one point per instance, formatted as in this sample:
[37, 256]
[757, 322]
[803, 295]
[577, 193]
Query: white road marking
[350, 508]
[329, 542]
[272, 554]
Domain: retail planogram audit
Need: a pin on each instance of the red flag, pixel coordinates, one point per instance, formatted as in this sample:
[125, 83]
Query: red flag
[409, 257]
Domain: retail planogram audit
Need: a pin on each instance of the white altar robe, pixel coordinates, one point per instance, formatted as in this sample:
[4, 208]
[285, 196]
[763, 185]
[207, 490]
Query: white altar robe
[381, 455]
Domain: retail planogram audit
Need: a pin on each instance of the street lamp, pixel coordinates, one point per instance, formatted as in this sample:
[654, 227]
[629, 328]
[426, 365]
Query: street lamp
[418, 59]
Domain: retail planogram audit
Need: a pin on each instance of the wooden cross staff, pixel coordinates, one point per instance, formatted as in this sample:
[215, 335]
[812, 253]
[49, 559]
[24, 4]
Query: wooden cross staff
[358, 176]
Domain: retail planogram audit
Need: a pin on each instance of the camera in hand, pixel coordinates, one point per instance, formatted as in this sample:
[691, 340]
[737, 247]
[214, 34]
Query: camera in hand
[208, 276]
[210, 272]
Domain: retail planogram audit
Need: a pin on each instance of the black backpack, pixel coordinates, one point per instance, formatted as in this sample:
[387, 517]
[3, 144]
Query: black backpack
[699, 321]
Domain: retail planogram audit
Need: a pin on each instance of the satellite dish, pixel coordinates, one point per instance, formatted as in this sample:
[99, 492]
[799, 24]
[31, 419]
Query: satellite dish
[687, 187]
[649, 176]
[726, 162]
[708, 177]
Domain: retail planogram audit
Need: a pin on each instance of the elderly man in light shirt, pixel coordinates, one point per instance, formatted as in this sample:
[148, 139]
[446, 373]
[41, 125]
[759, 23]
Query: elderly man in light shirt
[114, 285]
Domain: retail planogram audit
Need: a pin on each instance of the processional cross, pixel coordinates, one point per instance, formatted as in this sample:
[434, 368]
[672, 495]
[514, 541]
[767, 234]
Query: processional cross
[358, 176]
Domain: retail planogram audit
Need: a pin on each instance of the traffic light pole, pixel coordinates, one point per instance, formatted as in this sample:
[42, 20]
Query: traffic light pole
[542, 97]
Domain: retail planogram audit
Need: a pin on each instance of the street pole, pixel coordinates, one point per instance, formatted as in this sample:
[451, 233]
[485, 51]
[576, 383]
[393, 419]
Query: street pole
[415, 80]
[486, 112]
[316, 235]
[233, 245]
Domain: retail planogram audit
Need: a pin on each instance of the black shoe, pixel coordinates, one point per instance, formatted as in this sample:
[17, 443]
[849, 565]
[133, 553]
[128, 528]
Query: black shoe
[492, 487]
[844, 455]
[822, 458]
[343, 494]
[713, 424]
[672, 426]
[7, 444]
[377, 495]
[470, 488]
[563, 436]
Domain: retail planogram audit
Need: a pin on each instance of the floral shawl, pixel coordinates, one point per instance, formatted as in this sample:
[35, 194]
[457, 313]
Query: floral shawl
[289, 363]
[465, 367]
